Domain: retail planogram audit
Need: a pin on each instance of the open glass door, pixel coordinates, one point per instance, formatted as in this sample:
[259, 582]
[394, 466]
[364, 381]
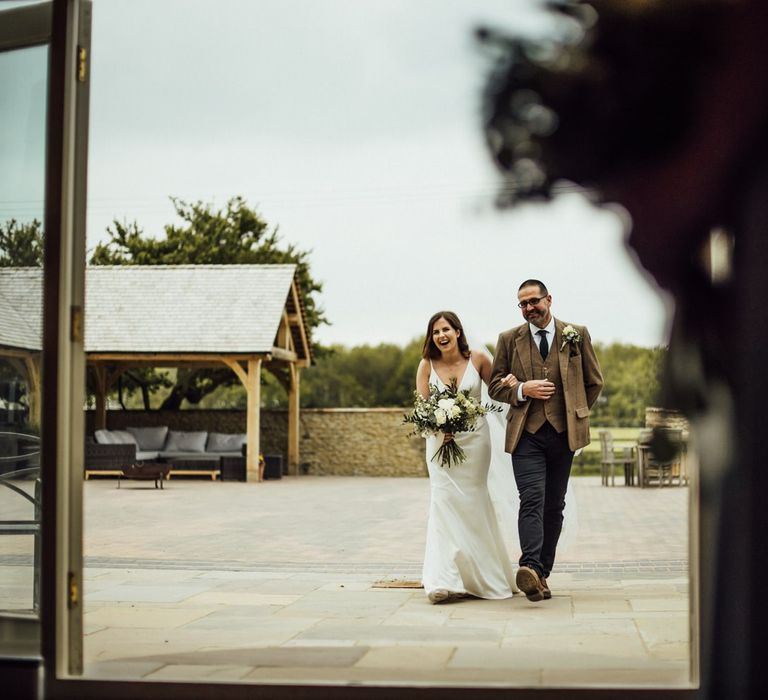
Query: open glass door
[24, 57]
[43, 112]
[65, 40]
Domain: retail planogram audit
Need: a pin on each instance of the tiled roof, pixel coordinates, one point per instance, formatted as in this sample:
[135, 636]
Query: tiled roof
[21, 308]
[160, 308]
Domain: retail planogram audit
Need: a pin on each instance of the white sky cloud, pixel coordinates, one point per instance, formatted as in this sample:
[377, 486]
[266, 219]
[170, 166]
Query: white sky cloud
[354, 127]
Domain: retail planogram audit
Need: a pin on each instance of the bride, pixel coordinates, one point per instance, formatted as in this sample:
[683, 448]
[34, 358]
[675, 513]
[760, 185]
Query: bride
[465, 553]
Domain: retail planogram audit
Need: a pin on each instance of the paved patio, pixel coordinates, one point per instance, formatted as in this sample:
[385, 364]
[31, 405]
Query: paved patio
[275, 582]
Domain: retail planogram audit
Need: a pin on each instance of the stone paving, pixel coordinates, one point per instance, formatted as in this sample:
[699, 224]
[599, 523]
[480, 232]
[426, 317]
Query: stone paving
[276, 582]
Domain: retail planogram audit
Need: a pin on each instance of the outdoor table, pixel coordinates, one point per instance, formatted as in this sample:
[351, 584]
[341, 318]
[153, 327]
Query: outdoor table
[233, 469]
[146, 471]
[678, 469]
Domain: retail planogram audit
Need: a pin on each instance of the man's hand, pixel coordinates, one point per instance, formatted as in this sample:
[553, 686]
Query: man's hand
[538, 389]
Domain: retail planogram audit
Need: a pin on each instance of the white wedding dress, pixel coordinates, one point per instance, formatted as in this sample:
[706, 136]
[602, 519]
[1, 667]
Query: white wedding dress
[465, 552]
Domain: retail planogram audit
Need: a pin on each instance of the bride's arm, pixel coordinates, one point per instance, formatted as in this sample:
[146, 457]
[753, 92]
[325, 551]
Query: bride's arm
[484, 366]
[482, 362]
[422, 378]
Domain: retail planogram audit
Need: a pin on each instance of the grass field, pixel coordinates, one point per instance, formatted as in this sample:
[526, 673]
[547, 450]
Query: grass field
[622, 437]
[588, 462]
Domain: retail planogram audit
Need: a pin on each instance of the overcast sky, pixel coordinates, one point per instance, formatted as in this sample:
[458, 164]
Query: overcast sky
[354, 126]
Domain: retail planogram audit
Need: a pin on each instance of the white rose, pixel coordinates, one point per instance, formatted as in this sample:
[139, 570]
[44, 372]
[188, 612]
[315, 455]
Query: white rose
[440, 416]
[446, 404]
[455, 411]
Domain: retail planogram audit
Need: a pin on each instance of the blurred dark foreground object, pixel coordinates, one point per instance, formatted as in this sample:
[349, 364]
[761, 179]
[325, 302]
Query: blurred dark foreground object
[661, 106]
[650, 103]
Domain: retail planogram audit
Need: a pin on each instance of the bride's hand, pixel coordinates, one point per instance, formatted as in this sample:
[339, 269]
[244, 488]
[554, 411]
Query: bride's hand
[447, 437]
[509, 380]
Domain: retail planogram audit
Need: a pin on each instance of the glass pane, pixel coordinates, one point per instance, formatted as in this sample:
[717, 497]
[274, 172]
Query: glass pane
[23, 77]
[354, 127]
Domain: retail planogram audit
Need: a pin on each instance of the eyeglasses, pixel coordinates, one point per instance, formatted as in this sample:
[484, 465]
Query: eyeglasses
[530, 302]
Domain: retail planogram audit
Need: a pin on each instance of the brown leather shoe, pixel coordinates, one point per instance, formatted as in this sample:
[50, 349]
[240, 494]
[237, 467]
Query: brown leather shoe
[528, 582]
[547, 592]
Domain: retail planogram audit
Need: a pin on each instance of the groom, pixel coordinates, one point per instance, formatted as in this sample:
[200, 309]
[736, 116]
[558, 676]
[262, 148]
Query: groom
[548, 372]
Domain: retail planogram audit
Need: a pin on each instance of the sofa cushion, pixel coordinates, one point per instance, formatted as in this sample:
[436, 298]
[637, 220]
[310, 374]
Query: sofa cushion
[147, 455]
[225, 442]
[103, 437]
[123, 437]
[114, 437]
[150, 438]
[182, 441]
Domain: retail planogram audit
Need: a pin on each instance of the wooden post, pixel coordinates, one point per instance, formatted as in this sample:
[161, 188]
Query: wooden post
[253, 417]
[100, 417]
[293, 419]
[31, 369]
[251, 379]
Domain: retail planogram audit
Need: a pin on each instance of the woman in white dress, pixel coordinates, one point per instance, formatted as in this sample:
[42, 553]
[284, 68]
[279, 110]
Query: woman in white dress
[465, 553]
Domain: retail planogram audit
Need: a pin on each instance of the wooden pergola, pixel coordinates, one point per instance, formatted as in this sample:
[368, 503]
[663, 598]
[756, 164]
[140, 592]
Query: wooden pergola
[21, 329]
[245, 317]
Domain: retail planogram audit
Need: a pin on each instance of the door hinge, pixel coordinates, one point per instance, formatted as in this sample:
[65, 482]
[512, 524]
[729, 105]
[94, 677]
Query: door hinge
[73, 591]
[82, 63]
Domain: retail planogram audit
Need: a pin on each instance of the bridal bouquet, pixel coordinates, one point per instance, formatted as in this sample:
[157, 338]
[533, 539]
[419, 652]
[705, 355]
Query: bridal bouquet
[447, 411]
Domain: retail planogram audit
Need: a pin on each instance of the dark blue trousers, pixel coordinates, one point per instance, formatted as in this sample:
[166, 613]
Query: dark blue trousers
[542, 464]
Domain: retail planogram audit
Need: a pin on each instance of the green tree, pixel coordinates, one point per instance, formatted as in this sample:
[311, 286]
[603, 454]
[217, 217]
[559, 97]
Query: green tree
[362, 376]
[385, 375]
[330, 383]
[631, 376]
[206, 235]
[21, 245]
[398, 390]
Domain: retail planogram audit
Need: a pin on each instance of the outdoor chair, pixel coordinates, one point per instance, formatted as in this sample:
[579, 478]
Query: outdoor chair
[609, 460]
[107, 460]
[662, 454]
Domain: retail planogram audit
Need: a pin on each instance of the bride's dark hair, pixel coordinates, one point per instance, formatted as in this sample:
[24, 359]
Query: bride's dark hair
[430, 351]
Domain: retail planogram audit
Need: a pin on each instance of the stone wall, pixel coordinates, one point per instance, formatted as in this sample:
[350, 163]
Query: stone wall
[343, 441]
[665, 418]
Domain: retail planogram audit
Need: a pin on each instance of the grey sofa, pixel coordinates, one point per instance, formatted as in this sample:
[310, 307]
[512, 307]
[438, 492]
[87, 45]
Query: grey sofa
[189, 452]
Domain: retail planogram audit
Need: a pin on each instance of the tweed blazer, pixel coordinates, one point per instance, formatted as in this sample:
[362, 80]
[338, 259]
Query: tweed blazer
[579, 370]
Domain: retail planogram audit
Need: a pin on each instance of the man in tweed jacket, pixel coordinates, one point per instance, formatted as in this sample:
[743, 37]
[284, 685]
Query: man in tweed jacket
[548, 372]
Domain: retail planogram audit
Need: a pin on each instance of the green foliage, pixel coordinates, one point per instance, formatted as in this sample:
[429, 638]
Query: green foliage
[385, 375]
[21, 245]
[13, 382]
[362, 376]
[234, 235]
[206, 236]
[631, 376]
[137, 387]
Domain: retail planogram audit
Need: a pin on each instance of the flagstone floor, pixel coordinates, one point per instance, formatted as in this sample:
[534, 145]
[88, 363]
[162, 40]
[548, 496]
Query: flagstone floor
[276, 582]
